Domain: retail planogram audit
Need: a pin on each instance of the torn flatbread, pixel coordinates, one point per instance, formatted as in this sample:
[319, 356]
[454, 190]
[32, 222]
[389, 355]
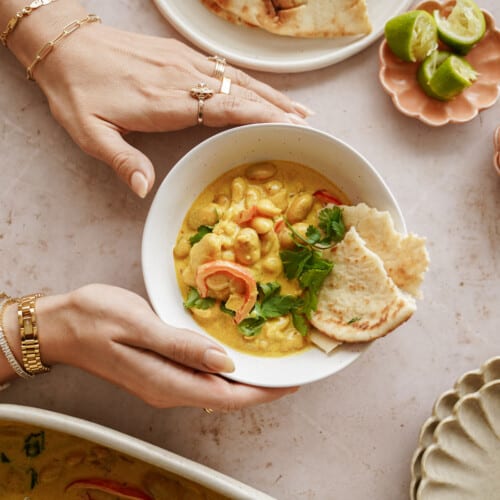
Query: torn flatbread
[302, 18]
[358, 301]
[405, 257]
[214, 7]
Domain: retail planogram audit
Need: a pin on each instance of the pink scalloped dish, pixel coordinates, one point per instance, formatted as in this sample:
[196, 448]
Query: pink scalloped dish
[496, 159]
[400, 81]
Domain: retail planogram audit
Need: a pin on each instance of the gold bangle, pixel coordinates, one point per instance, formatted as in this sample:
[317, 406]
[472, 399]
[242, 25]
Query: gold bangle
[25, 12]
[49, 46]
[28, 330]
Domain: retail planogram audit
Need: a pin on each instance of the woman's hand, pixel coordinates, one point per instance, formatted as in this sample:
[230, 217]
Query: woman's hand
[102, 83]
[114, 334]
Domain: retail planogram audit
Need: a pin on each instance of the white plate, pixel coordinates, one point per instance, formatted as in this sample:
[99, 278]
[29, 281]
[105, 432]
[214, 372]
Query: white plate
[256, 49]
[253, 143]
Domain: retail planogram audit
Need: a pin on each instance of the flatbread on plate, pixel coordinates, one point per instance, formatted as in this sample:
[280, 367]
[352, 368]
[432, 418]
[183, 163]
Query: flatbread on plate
[302, 18]
[405, 257]
[358, 301]
[214, 7]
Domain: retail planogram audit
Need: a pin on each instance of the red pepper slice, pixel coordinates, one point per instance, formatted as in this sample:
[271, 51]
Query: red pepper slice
[326, 197]
[279, 226]
[246, 215]
[111, 487]
[234, 271]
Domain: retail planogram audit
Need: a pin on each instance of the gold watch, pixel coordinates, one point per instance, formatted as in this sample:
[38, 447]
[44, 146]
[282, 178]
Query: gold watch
[28, 330]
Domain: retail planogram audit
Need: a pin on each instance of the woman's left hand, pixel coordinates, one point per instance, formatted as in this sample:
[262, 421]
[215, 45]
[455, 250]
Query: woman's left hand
[102, 83]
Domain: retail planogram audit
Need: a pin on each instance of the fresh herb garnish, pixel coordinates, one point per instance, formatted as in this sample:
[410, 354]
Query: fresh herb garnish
[4, 458]
[33, 477]
[270, 304]
[224, 309]
[194, 301]
[34, 444]
[353, 320]
[202, 231]
[330, 230]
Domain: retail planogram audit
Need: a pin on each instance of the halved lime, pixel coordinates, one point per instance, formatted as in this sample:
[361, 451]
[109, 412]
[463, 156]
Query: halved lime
[412, 36]
[463, 28]
[451, 77]
[428, 68]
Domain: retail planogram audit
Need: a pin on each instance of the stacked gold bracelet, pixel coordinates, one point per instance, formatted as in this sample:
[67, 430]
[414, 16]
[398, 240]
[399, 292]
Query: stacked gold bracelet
[26, 11]
[28, 330]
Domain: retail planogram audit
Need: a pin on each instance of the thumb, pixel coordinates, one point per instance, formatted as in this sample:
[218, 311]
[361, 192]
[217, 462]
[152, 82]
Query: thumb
[131, 165]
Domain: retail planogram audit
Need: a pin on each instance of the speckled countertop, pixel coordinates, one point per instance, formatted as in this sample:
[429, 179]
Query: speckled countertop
[66, 221]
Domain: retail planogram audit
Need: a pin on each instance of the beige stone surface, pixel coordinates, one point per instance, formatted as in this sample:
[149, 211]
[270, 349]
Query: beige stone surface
[65, 221]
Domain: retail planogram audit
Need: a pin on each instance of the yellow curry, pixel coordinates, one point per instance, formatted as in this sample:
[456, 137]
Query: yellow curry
[230, 251]
[40, 464]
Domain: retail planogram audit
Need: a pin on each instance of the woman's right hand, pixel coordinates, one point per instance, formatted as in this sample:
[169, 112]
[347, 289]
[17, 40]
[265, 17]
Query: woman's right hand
[115, 334]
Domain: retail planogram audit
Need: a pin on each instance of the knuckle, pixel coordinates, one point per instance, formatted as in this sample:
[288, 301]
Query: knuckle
[231, 105]
[228, 402]
[180, 351]
[242, 78]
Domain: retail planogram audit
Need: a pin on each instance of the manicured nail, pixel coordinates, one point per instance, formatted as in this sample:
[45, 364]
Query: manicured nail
[298, 120]
[139, 184]
[217, 361]
[304, 111]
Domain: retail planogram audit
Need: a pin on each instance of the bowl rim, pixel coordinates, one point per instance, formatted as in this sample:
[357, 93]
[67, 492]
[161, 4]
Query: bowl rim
[354, 350]
[134, 447]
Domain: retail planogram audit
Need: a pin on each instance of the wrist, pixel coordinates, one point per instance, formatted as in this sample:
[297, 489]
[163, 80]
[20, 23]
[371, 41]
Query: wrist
[39, 27]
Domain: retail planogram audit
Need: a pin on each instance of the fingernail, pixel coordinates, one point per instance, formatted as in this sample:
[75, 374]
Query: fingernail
[218, 361]
[296, 119]
[139, 184]
[304, 111]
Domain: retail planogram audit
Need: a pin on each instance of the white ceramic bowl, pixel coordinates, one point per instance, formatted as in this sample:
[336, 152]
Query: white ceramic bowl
[133, 447]
[352, 173]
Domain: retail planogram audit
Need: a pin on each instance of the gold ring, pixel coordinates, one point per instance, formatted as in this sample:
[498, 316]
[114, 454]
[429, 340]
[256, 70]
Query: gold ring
[208, 410]
[202, 93]
[220, 66]
[225, 86]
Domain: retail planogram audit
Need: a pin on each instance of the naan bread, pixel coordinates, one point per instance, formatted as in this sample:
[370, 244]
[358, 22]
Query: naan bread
[302, 18]
[358, 301]
[405, 257]
[214, 7]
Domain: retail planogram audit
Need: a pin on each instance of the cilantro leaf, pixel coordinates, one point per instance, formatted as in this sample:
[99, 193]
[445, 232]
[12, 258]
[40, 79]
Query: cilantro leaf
[34, 444]
[277, 306]
[224, 309]
[250, 327]
[353, 320]
[268, 290]
[4, 458]
[294, 261]
[300, 322]
[194, 301]
[331, 223]
[313, 235]
[202, 231]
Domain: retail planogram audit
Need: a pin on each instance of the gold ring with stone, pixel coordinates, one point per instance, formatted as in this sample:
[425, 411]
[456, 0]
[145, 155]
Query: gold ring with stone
[202, 93]
[220, 66]
[208, 410]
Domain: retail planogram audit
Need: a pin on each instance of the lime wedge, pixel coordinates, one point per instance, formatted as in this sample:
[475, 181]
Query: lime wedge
[463, 28]
[412, 36]
[428, 68]
[451, 77]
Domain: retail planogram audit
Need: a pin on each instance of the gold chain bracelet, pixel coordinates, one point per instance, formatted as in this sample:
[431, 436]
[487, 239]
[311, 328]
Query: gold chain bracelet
[26, 11]
[49, 46]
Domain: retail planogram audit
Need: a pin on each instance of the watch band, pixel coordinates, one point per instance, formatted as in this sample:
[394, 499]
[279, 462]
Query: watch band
[28, 331]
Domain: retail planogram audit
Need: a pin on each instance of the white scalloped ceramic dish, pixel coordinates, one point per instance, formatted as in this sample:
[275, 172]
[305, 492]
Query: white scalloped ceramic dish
[255, 49]
[399, 80]
[131, 446]
[467, 384]
[352, 173]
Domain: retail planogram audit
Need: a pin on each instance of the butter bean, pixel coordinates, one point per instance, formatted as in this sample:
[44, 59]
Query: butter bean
[262, 225]
[50, 472]
[222, 200]
[247, 247]
[238, 189]
[182, 249]
[299, 207]
[268, 243]
[272, 187]
[267, 208]
[260, 171]
[280, 199]
[206, 215]
[252, 197]
[75, 458]
[272, 265]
